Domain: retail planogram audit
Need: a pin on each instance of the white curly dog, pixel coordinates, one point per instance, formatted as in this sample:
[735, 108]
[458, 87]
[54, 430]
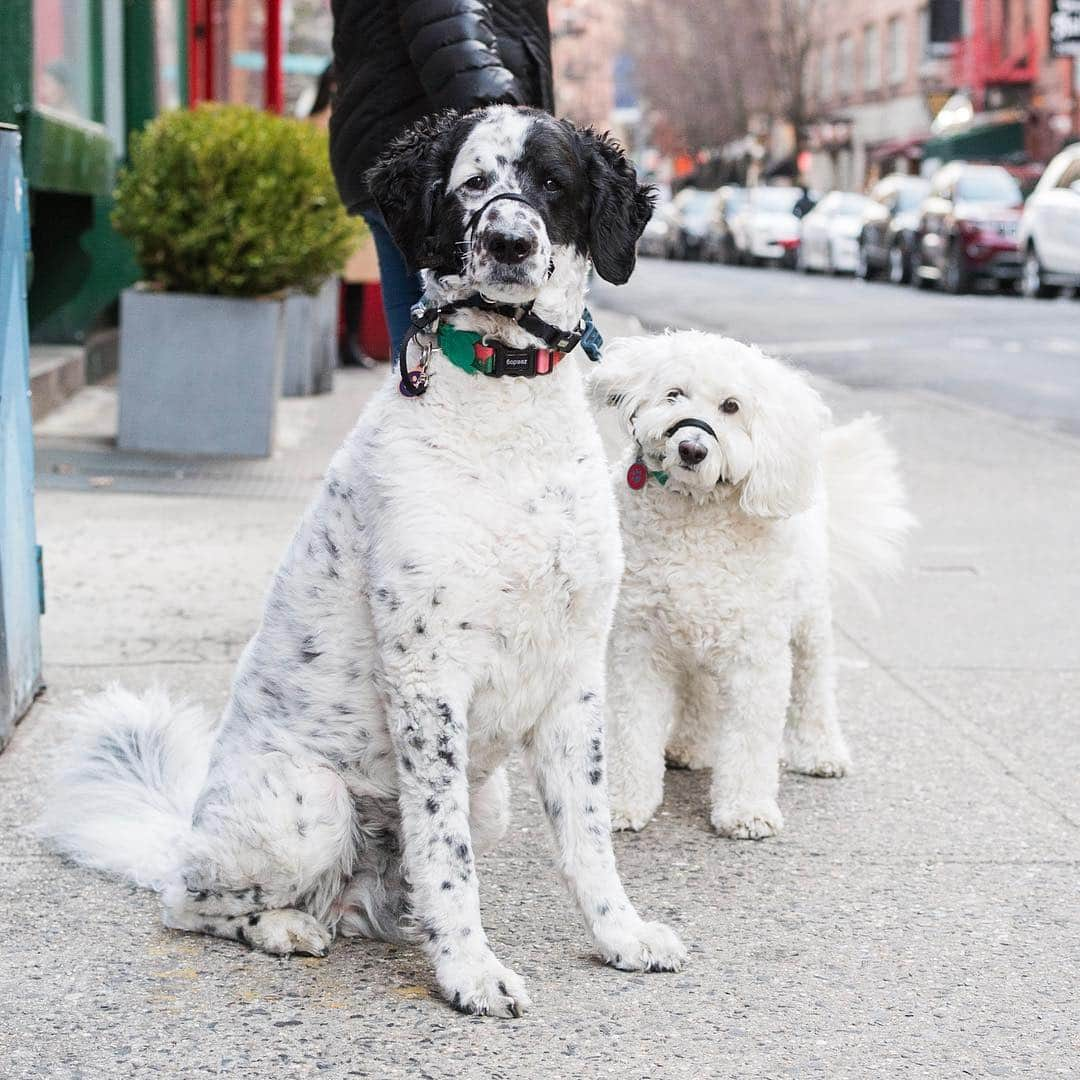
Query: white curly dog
[738, 507]
[445, 601]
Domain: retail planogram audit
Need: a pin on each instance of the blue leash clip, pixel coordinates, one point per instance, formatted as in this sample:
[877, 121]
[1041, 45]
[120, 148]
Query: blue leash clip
[592, 341]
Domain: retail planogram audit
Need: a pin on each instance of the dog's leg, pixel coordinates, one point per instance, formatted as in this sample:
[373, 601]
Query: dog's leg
[427, 725]
[272, 836]
[641, 707]
[691, 743]
[566, 756]
[755, 688]
[813, 741]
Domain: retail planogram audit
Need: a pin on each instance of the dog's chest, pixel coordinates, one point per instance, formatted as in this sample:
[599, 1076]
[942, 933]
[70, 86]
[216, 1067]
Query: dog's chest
[699, 578]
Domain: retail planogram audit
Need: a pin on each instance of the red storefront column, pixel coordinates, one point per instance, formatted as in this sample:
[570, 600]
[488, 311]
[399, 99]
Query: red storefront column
[275, 82]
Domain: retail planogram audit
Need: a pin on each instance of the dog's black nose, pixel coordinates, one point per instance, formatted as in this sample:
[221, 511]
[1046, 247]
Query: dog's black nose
[692, 452]
[509, 248]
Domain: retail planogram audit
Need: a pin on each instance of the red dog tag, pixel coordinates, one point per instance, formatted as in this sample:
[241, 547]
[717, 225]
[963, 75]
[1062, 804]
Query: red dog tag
[637, 476]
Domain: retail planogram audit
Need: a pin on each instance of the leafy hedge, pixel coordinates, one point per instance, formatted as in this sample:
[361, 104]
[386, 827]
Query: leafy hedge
[230, 201]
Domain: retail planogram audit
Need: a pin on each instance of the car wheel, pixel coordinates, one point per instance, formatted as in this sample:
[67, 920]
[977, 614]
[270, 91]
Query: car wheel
[917, 278]
[863, 269]
[956, 277]
[1031, 282]
[898, 269]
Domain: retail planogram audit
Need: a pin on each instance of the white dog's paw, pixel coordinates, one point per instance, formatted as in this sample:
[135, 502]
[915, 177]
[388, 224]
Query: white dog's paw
[630, 820]
[678, 756]
[834, 762]
[286, 931]
[482, 986]
[752, 822]
[642, 946]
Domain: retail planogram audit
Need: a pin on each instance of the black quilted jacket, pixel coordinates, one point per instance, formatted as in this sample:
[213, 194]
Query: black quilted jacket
[398, 60]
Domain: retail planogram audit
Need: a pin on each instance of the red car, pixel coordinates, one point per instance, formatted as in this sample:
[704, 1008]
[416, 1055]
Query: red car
[967, 228]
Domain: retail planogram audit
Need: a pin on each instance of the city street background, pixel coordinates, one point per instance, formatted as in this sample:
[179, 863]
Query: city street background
[1022, 359]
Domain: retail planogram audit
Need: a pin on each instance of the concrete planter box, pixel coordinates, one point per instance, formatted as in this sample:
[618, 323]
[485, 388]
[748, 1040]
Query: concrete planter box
[199, 374]
[311, 324]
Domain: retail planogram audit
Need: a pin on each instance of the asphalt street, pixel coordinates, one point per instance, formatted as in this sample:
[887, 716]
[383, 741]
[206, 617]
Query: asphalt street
[1021, 357]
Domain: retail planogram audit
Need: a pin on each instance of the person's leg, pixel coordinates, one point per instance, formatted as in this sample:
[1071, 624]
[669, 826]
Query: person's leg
[400, 286]
[350, 352]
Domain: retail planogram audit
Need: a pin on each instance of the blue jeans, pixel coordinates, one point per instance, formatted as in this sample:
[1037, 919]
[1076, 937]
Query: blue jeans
[400, 286]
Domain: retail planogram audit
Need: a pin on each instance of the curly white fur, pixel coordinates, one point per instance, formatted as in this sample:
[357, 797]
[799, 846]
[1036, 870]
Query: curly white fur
[723, 629]
[445, 600]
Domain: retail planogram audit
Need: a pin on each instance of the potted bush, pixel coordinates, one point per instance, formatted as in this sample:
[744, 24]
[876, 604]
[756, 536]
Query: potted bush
[227, 209]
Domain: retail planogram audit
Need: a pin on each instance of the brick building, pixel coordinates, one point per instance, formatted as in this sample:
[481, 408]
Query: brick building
[586, 39]
[876, 81]
[874, 87]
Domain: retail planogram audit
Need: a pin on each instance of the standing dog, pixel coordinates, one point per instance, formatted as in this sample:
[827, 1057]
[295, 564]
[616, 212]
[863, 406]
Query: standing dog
[736, 510]
[445, 601]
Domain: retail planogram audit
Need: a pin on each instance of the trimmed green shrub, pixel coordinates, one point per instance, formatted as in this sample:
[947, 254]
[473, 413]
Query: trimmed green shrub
[230, 201]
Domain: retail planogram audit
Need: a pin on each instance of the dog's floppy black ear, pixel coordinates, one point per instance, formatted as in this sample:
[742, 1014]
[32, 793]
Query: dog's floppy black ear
[620, 207]
[405, 184]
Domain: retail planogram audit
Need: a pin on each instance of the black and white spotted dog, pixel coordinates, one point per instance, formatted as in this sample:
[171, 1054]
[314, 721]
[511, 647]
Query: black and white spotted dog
[445, 601]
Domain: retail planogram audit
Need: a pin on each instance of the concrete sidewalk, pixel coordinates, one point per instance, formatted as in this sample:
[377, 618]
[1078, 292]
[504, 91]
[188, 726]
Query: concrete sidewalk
[920, 918]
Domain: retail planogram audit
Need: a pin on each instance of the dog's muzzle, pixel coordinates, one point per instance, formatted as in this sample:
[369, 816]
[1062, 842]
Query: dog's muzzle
[691, 452]
[504, 243]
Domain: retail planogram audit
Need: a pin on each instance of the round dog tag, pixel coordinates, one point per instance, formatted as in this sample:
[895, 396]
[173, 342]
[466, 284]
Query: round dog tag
[637, 476]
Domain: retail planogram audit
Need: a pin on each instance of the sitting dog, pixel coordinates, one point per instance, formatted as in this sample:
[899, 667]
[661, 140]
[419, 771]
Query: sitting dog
[737, 508]
[446, 600]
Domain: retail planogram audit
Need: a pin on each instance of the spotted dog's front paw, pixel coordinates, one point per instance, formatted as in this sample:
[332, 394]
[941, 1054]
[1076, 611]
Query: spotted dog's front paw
[642, 946]
[631, 813]
[754, 821]
[482, 986]
[286, 931]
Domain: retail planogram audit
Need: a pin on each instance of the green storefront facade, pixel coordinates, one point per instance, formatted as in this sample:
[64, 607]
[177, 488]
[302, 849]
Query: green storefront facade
[78, 77]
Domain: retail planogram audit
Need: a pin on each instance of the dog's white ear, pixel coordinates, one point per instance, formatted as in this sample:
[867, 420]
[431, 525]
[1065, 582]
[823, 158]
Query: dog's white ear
[620, 381]
[785, 429]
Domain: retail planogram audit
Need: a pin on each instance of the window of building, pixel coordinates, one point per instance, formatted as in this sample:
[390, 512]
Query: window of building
[845, 66]
[896, 50]
[871, 58]
[826, 72]
[62, 76]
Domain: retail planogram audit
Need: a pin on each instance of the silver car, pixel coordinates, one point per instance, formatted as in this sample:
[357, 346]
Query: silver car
[1049, 232]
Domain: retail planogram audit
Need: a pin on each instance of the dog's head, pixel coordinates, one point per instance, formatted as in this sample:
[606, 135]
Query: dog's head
[499, 196]
[722, 419]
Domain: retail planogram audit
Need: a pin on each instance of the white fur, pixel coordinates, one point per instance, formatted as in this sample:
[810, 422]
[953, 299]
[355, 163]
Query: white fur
[723, 630]
[445, 601]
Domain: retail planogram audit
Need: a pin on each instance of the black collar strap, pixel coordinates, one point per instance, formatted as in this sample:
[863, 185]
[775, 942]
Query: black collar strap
[474, 219]
[537, 360]
[692, 422]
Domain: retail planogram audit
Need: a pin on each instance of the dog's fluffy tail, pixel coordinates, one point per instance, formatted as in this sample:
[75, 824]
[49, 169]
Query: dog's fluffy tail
[868, 515]
[125, 794]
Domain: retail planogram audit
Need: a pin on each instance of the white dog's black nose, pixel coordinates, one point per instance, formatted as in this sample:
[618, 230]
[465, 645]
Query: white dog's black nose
[692, 452]
[507, 247]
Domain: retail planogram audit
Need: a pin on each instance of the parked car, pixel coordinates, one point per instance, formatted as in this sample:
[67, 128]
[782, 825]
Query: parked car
[766, 229]
[721, 243]
[1049, 232]
[689, 223]
[967, 228]
[890, 227]
[829, 237]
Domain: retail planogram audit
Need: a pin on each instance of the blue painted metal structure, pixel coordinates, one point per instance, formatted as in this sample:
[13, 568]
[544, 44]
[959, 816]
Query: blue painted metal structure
[21, 592]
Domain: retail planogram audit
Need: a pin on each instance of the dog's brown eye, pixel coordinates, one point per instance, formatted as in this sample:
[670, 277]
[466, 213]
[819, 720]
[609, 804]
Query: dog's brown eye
[674, 394]
[477, 183]
[730, 406]
[551, 184]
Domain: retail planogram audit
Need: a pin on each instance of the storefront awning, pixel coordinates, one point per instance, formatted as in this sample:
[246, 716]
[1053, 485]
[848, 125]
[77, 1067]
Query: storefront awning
[979, 142]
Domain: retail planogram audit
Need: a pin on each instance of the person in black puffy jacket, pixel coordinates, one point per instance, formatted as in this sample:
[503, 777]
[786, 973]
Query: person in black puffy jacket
[396, 61]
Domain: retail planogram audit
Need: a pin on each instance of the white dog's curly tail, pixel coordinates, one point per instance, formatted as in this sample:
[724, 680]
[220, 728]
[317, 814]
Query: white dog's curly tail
[124, 798]
[868, 515]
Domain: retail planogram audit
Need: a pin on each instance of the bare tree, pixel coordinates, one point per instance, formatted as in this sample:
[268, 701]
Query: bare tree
[710, 65]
